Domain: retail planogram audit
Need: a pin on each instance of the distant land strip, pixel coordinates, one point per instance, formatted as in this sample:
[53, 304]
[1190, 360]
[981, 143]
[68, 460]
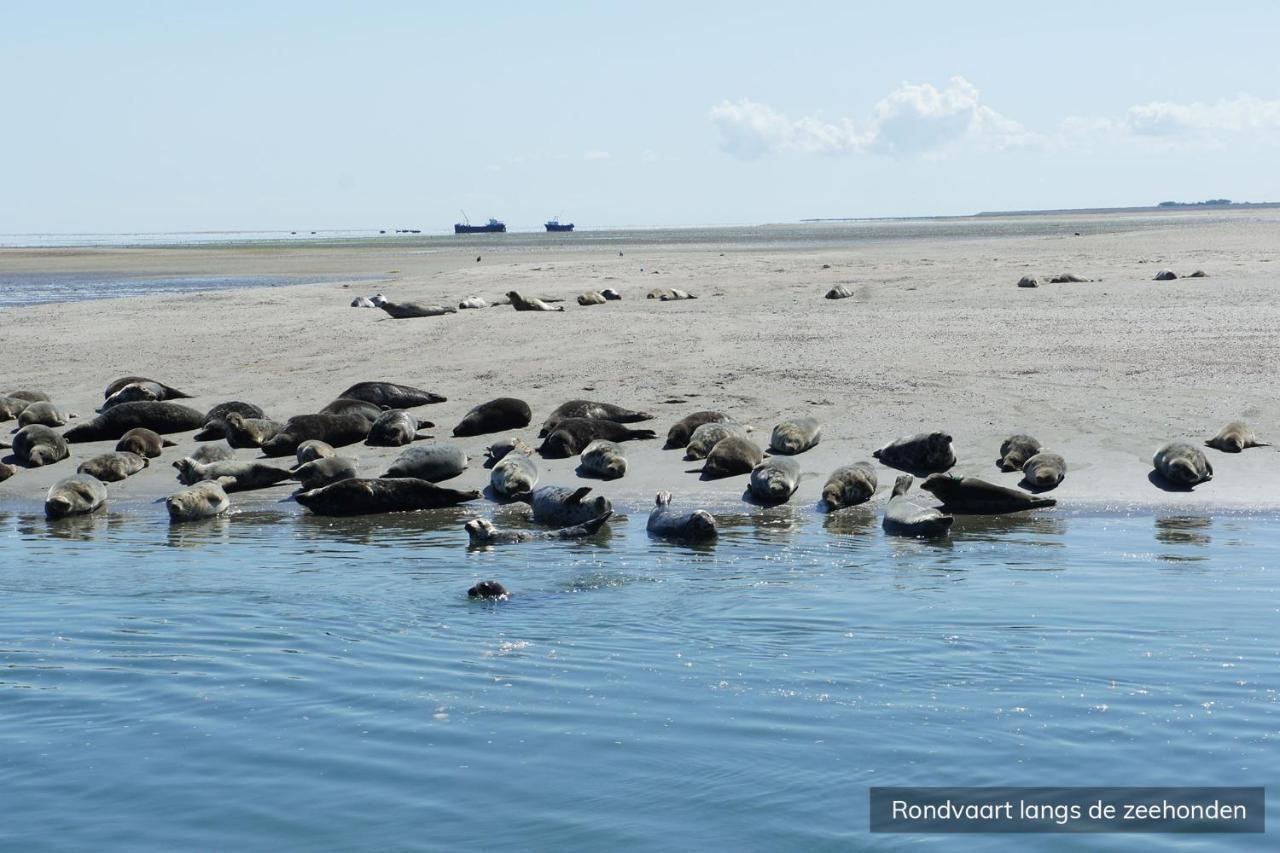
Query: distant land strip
[1155, 208]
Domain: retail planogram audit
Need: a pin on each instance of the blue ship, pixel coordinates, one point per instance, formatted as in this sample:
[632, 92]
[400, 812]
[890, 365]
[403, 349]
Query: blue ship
[493, 226]
[554, 225]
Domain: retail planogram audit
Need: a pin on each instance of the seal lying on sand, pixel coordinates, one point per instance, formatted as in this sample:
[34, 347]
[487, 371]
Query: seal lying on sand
[775, 480]
[590, 409]
[483, 532]
[604, 459]
[564, 507]
[45, 414]
[514, 476]
[687, 526]
[352, 406]
[79, 494]
[678, 435]
[389, 395]
[358, 496]
[732, 455]
[572, 435]
[924, 451]
[1029, 281]
[396, 428]
[494, 453]
[7, 471]
[904, 518]
[207, 453]
[971, 495]
[334, 430]
[205, 499]
[1066, 278]
[164, 391]
[323, 472]
[29, 395]
[113, 467]
[162, 418]
[473, 302]
[709, 435]
[839, 292]
[143, 441]
[796, 435]
[37, 445]
[431, 462]
[1166, 275]
[610, 294]
[313, 449]
[215, 420]
[675, 294]
[406, 310]
[1016, 450]
[11, 407]
[134, 392]
[1182, 464]
[591, 298]
[531, 303]
[362, 302]
[495, 416]
[1044, 471]
[850, 485]
[242, 432]
[1235, 437]
[232, 475]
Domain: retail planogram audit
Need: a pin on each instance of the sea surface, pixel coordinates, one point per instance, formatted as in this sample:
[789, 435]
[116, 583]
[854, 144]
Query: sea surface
[274, 681]
[34, 288]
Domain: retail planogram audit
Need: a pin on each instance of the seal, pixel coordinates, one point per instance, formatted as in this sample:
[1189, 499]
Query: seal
[396, 428]
[431, 462]
[358, 496]
[489, 591]
[1166, 275]
[29, 395]
[207, 453]
[571, 436]
[687, 526]
[113, 467]
[245, 432]
[78, 494]
[310, 451]
[839, 292]
[45, 414]
[390, 395]
[1044, 471]
[795, 436]
[659, 293]
[774, 480]
[323, 472]
[37, 445]
[1232, 438]
[494, 416]
[215, 426]
[334, 430]
[494, 453]
[165, 392]
[1182, 464]
[408, 310]
[610, 294]
[1067, 278]
[904, 518]
[566, 507]
[514, 476]
[11, 407]
[591, 409]
[978, 497]
[1199, 274]
[850, 485]
[593, 297]
[232, 475]
[674, 294]
[603, 459]
[134, 392]
[483, 532]
[709, 435]
[924, 451]
[7, 471]
[1015, 451]
[474, 302]
[162, 418]
[362, 302]
[205, 499]
[678, 435]
[732, 455]
[521, 303]
[142, 441]
[352, 406]
[1029, 281]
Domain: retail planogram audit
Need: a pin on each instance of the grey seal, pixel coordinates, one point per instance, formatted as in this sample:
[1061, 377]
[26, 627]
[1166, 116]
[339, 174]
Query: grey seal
[604, 459]
[1016, 450]
[839, 292]
[796, 435]
[592, 297]
[215, 426]
[572, 435]
[165, 392]
[678, 435]
[207, 453]
[904, 518]
[1182, 464]
[143, 441]
[162, 418]
[1235, 437]
[494, 416]
[205, 499]
[774, 480]
[474, 302]
[362, 302]
[29, 395]
[850, 485]
[732, 455]
[1029, 281]
[688, 526]
[565, 507]
[431, 462]
[494, 453]
[971, 495]
[390, 395]
[232, 475]
[488, 591]
[11, 407]
[514, 476]
[45, 414]
[924, 451]
[396, 428]
[610, 294]
[1166, 275]
[134, 392]
[7, 471]
[407, 310]
[593, 410]
[709, 435]
[322, 472]
[1044, 471]
[38, 445]
[352, 406]
[310, 451]
[242, 432]
[359, 496]
[78, 494]
[113, 467]
[483, 532]
[1067, 278]
[521, 303]
[1198, 274]
[334, 430]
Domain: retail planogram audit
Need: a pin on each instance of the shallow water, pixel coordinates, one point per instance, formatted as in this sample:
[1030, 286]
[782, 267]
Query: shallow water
[27, 288]
[273, 681]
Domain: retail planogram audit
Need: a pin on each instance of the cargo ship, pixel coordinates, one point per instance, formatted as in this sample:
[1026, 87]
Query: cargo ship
[493, 226]
[554, 225]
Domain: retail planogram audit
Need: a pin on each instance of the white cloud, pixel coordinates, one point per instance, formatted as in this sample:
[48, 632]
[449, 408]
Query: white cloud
[1166, 124]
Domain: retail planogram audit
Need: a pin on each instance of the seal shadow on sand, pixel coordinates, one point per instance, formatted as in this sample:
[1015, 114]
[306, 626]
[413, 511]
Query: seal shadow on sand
[918, 473]
[1161, 483]
[584, 474]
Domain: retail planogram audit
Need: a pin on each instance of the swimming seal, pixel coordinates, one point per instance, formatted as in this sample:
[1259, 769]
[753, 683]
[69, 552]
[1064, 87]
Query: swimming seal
[904, 518]
[732, 455]
[796, 435]
[1235, 437]
[850, 485]
[334, 430]
[488, 590]
[971, 495]
[774, 480]
[165, 392]
[514, 476]
[113, 467]
[232, 475]
[142, 441]
[1016, 450]
[924, 451]
[604, 459]
[590, 409]
[572, 435]
[160, 417]
[688, 526]
[78, 494]
[396, 428]
[431, 462]
[390, 395]
[678, 435]
[242, 432]
[358, 496]
[483, 532]
[494, 416]
[1044, 471]
[1182, 464]
[564, 507]
[38, 445]
[323, 472]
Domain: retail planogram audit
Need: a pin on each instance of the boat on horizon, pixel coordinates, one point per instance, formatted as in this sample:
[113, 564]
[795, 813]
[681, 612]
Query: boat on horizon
[554, 225]
[493, 226]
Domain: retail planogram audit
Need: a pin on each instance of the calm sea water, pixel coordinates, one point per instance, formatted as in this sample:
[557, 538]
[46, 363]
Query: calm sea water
[33, 288]
[273, 681]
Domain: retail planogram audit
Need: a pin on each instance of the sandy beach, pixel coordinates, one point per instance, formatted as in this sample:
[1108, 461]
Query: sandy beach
[936, 336]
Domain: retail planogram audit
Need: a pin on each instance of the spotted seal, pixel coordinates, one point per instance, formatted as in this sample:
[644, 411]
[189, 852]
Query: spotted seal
[774, 480]
[669, 523]
[565, 507]
[494, 453]
[488, 591]
[161, 417]
[604, 459]
[1182, 464]
[1044, 471]
[708, 435]
[514, 476]
[396, 428]
[165, 392]
[839, 292]
[391, 395]
[531, 303]
[45, 414]
[796, 435]
[322, 472]
[592, 410]
[494, 416]
[215, 426]
[850, 485]
[904, 518]
[334, 430]
[310, 451]
[242, 432]
[732, 455]
[78, 494]
[37, 445]
[143, 441]
[1016, 450]
[432, 462]
[592, 297]
[1235, 437]
[572, 435]
[11, 407]
[971, 495]
[207, 453]
[408, 310]
[205, 499]
[113, 467]
[233, 475]
[483, 532]
[352, 406]
[924, 451]
[359, 496]
[678, 435]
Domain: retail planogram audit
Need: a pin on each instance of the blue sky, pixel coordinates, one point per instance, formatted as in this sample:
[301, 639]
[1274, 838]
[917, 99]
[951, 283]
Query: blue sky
[181, 116]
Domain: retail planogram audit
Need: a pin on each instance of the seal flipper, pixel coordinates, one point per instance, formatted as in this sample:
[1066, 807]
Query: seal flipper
[164, 442]
[577, 496]
[596, 523]
[641, 433]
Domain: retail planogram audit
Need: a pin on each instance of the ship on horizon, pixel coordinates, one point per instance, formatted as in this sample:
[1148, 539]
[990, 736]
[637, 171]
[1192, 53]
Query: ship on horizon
[554, 224]
[493, 226]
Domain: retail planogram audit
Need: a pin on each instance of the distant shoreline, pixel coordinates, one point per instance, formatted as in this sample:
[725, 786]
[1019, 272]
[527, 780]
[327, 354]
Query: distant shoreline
[1066, 211]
